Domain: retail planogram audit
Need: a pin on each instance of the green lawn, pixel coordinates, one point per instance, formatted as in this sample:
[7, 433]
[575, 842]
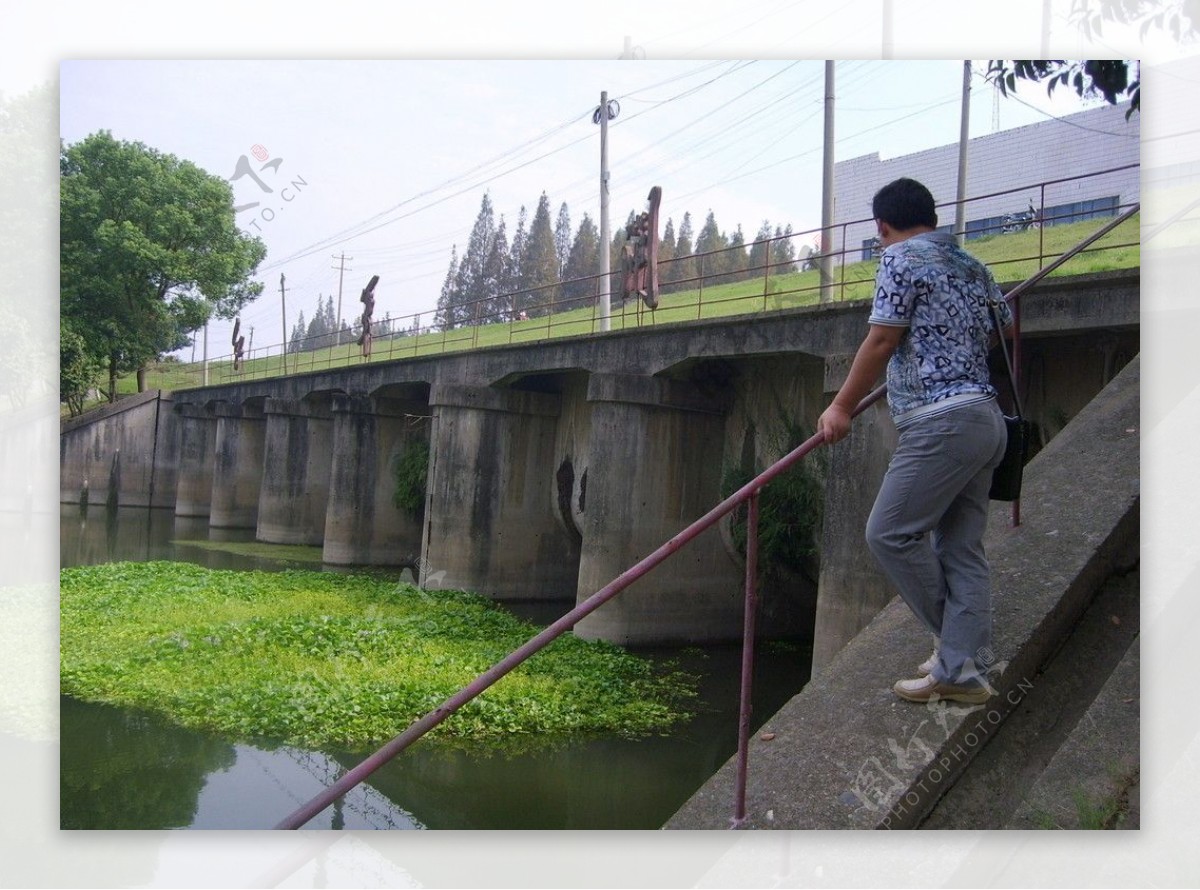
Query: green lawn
[1012, 257]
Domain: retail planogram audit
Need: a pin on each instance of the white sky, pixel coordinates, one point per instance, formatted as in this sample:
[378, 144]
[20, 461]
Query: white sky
[387, 161]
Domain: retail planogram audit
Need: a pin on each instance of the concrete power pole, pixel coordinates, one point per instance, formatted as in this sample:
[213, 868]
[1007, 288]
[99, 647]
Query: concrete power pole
[601, 117]
[283, 307]
[341, 274]
[827, 193]
[964, 136]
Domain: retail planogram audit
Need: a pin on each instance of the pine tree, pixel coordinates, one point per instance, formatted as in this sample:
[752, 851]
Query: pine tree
[583, 266]
[685, 263]
[317, 331]
[444, 317]
[496, 279]
[783, 252]
[539, 264]
[562, 238]
[296, 342]
[737, 261]
[666, 253]
[760, 250]
[475, 292]
[517, 262]
[710, 250]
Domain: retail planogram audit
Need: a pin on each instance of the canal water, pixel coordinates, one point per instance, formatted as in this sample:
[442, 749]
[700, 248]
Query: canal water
[124, 769]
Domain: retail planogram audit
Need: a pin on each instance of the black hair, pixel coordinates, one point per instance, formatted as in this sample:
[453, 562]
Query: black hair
[904, 204]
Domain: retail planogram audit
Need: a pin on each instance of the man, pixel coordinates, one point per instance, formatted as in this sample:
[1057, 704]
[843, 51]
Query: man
[931, 326]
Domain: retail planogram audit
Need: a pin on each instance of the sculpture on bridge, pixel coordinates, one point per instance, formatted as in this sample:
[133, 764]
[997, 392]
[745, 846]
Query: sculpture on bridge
[239, 344]
[368, 301]
[639, 256]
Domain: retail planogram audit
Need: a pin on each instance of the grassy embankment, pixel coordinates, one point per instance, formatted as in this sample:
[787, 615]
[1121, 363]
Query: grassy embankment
[322, 659]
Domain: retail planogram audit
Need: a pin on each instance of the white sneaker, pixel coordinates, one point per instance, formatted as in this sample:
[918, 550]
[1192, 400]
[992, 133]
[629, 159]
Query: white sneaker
[925, 668]
[927, 689]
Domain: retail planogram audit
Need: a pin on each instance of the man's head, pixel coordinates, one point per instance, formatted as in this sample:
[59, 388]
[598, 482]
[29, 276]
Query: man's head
[901, 208]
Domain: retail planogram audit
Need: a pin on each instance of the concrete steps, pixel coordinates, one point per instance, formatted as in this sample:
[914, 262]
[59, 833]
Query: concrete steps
[846, 753]
[1071, 749]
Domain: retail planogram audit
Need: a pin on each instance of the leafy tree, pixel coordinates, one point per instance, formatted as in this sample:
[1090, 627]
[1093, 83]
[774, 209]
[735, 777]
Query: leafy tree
[1178, 17]
[149, 250]
[1113, 79]
[78, 369]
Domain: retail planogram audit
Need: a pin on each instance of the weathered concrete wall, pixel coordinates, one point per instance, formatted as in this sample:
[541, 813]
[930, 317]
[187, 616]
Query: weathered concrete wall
[774, 406]
[363, 525]
[123, 453]
[240, 439]
[490, 511]
[197, 446]
[297, 457]
[654, 467]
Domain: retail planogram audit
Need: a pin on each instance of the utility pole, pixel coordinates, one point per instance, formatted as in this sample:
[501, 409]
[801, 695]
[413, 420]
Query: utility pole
[601, 117]
[827, 193]
[206, 353]
[888, 36]
[341, 273]
[283, 306]
[964, 136]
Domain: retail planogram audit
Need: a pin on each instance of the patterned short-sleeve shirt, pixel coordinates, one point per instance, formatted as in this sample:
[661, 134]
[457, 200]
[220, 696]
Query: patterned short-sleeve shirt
[941, 293]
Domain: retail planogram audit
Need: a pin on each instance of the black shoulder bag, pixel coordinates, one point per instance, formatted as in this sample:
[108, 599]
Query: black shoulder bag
[1006, 479]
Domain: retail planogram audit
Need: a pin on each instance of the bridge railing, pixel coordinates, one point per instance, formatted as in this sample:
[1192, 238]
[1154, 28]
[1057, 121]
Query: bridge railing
[1014, 231]
[747, 494]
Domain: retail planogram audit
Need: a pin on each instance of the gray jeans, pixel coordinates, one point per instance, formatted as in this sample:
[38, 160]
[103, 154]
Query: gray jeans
[926, 531]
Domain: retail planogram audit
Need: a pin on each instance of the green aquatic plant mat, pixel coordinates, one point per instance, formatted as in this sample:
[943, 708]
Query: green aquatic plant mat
[322, 659]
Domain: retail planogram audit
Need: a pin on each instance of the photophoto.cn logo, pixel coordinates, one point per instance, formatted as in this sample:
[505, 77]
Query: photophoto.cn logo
[269, 207]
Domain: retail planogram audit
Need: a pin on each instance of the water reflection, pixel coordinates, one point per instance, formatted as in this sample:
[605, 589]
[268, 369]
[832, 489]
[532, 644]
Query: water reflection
[122, 769]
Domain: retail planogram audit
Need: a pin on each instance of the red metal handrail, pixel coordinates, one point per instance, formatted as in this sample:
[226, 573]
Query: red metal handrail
[748, 492]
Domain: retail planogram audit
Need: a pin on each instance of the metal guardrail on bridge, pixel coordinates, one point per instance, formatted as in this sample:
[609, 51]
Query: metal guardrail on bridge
[716, 283]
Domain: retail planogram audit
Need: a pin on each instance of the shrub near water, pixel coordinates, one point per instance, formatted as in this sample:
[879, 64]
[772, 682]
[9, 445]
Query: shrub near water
[320, 659]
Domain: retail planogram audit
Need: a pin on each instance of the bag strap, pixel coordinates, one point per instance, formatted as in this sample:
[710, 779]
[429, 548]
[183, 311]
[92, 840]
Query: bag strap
[1012, 377]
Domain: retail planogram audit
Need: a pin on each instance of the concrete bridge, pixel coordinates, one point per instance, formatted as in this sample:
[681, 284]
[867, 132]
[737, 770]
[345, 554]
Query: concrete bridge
[554, 466]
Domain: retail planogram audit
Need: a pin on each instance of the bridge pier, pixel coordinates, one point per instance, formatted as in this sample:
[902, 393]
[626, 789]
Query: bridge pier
[237, 465]
[490, 516]
[197, 446]
[363, 525]
[654, 466]
[297, 455]
[852, 590]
